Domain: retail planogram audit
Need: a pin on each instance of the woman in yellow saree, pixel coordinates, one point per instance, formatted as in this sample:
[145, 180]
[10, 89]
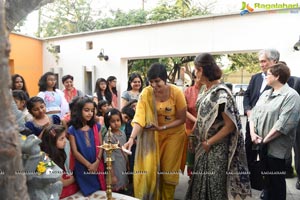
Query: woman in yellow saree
[159, 124]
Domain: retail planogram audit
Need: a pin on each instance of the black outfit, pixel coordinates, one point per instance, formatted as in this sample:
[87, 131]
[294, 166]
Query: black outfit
[274, 179]
[294, 82]
[251, 97]
[128, 130]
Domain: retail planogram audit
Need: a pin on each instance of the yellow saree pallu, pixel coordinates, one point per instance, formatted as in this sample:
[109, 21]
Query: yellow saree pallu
[146, 179]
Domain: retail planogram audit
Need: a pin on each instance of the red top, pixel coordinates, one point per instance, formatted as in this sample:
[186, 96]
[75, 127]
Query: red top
[191, 94]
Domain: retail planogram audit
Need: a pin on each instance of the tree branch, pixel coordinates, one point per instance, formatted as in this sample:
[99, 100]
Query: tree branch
[16, 10]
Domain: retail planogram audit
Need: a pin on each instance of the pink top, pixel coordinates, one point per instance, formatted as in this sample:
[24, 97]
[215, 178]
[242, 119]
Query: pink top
[114, 100]
[191, 95]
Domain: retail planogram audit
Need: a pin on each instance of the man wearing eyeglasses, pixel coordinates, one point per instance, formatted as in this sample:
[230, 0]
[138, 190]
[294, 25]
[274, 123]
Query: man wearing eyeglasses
[256, 87]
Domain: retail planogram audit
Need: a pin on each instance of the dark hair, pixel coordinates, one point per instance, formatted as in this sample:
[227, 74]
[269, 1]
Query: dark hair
[130, 80]
[50, 136]
[193, 78]
[66, 77]
[20, 95]
[131, 102]
[282, 62]
[128, 111]
[13, 80]
[281, 71]
[109, 113]
[43, 81]
[157, 70]
[72, 104]
[76, 114]
[97, 88]
[210, 68]
[31, 102]
[100, 104]
[108, 92]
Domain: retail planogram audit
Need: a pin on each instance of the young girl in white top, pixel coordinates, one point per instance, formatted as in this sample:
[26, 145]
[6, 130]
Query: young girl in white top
[55, 101]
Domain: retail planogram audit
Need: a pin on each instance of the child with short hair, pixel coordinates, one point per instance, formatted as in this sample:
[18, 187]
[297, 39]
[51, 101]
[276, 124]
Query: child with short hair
[37, 108]
[21, 99]
[102, 107]
[113, 120]
[53, 143]
[84, 138]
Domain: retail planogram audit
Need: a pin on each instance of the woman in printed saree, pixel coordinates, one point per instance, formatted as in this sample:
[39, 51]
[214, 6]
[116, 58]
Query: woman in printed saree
[220, 167]
[159, 124]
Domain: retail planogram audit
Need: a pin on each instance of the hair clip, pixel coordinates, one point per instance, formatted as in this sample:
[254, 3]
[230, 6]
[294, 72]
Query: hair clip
[108, 114]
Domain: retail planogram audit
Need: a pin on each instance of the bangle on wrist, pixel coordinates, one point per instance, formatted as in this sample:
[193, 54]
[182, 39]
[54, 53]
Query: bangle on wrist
[131, 137]
[207, 143]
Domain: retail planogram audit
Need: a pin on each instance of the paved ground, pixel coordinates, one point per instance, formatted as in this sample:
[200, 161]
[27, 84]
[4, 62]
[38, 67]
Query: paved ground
[292, 192]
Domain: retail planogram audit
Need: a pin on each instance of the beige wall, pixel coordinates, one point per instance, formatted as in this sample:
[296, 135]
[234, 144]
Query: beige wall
[215, 34]
[238, 77]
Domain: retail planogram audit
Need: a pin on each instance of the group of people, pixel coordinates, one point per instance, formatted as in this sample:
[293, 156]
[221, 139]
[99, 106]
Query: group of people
[160, 124]
[72, 125]
[270, 103]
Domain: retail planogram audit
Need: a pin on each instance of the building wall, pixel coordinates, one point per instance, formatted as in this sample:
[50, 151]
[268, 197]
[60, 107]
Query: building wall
[238, 77]
[26, 59]
[214, 34]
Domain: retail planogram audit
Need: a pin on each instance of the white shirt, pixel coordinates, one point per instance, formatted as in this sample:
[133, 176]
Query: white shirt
[264, 83]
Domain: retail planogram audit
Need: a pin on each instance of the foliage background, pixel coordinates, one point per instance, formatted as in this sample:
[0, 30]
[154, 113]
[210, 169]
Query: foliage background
[75, 16]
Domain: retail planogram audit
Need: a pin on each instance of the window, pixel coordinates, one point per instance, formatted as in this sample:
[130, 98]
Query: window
[88, 79]
[56, 48]
[89, 45]
[88, 83]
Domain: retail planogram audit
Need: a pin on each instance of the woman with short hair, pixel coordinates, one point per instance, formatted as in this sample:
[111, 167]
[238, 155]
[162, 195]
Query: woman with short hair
[70, 91]
[273, 126]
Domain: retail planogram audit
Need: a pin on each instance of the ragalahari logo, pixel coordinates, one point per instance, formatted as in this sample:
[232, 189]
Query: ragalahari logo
[246, 8]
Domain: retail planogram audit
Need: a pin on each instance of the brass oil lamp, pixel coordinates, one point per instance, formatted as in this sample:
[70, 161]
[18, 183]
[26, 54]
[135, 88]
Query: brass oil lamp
[109, 147]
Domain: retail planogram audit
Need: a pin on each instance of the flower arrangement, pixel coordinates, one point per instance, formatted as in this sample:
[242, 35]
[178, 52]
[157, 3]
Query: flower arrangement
[43, 165]
[23, 137]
